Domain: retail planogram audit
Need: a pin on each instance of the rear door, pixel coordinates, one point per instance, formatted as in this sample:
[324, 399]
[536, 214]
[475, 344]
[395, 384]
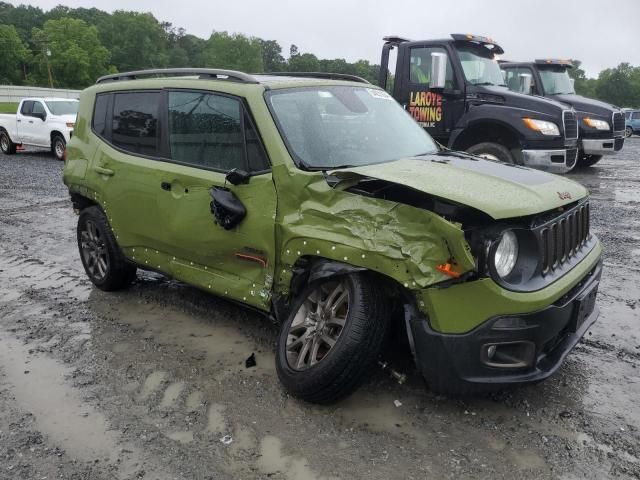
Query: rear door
[23, 121]
[435, 110]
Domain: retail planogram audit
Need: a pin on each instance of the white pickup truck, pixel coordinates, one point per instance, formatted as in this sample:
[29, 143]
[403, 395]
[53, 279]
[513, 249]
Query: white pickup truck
[39, 122]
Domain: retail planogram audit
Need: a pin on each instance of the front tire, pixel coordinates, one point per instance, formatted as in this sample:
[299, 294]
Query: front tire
[492, 151]
[58, 145]
[628, 132]
[6, 145]
[103, 261]
[332, 338]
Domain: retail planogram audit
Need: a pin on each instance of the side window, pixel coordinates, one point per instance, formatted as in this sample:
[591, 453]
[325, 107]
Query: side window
[512, 79]
[99, 121]
[27, 107]
[38, 108]
[207, 130]
[135, 122]
[420, 66]
[635, 116]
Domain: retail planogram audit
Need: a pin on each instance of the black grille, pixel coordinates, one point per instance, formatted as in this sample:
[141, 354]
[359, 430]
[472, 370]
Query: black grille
[618, 122]
[618, 143]
[572, 156]
[563, 237]
[570, 124]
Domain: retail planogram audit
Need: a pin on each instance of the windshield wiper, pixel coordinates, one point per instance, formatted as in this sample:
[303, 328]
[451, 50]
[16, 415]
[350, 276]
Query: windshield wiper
[483, 84]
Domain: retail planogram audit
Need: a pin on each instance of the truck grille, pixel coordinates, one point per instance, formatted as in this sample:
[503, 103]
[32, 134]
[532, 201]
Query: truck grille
[572, 156]
[618, 144]
[563, 237]
[570, 124]
[618, 122]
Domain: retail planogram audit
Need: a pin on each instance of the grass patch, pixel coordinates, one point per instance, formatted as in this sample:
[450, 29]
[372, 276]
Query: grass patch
[8, 107]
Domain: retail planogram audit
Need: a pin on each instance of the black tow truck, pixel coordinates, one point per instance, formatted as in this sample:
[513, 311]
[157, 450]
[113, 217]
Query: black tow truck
[601, 126]
[454, 88]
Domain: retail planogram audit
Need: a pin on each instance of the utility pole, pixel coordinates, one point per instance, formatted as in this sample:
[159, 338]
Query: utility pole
[47, 54]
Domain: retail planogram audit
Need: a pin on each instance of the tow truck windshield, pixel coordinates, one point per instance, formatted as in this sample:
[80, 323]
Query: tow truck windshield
[556, 81]
[478, 65]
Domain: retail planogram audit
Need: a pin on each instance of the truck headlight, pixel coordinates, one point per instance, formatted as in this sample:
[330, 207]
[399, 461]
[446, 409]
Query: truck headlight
[71, 125]
[505, 255]
[542, 126]
[597, 124]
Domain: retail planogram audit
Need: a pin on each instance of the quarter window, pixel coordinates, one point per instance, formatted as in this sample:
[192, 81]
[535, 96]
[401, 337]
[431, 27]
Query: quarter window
[99, 121]
[135, 125]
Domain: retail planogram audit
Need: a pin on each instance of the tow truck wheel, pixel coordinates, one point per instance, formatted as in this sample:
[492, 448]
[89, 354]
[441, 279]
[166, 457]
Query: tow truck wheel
[588, 160]
[57, 146]
[332, 338]
[492, 151]
[6, 145]
[628, 132]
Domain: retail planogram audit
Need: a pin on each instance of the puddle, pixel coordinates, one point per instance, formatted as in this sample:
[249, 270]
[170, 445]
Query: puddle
[151, 385]
[273, 461]
[171, 394]
[216, 422]
[193, 401]
[182, 437]
[59, 410]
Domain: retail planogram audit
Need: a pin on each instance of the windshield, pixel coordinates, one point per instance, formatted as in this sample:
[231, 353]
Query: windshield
[63, 107]
[332, 127]
[556, 81]
[478, 65]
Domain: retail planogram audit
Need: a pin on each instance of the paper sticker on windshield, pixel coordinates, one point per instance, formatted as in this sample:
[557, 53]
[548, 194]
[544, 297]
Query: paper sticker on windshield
[374, 92]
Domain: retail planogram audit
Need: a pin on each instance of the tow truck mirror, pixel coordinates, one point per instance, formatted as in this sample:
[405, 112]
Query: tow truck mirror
[525, 83]
[573, 83]
[438, 71]
[41, 115]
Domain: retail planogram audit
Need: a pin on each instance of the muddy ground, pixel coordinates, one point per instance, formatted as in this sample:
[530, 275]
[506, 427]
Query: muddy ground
[151, 383]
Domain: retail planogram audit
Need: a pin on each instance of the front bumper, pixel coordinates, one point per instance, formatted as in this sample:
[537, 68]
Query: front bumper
[554, 161]
[607, 146]
[549, 334]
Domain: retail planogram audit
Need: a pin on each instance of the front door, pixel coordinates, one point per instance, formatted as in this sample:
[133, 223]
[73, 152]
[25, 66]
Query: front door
[435, 110]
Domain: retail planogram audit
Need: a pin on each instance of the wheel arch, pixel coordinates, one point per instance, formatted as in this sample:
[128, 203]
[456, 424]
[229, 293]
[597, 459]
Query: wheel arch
[487, 131]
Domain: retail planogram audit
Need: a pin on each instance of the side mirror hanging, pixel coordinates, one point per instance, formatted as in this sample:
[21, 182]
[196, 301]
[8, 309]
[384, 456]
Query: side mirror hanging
[525, 82]
[438, 71]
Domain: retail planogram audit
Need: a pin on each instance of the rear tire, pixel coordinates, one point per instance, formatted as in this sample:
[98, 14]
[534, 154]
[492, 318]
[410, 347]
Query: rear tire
[103, 261]
[6, 145]
[492, 151]
[58, 145]
[586, 161]
[324, 371]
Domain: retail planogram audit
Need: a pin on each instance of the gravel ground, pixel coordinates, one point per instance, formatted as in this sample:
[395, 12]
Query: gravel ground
[151, 383]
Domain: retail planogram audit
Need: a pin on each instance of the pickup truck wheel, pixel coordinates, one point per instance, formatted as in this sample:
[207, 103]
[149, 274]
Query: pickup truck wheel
[6, 145]
[628, 132]
[588, 160]
[492, 151]
[103, 261]
[332, 338]
[58, 145]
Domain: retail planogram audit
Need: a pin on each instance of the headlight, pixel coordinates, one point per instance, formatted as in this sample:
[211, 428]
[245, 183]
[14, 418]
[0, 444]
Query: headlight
[71, 125]
[542, 126]
[506, 254]
[597, 124]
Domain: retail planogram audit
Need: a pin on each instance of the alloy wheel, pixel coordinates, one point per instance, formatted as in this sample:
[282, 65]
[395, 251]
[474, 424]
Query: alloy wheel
[94, 251]
[317, 325]
[4, 143]
[59, 148]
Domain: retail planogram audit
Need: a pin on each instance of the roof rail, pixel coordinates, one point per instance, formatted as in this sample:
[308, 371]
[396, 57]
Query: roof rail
[203, 73]
[326, 75]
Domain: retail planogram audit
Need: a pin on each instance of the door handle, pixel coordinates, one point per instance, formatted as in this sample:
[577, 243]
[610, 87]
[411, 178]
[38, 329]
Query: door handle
[18, 120]
[30, 121]
[104, 171]
[165, 186]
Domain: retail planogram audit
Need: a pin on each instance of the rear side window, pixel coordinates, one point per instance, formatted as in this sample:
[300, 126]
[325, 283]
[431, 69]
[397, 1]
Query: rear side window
[135, 125]
[209, 130]
[99, 121]
[635, 116]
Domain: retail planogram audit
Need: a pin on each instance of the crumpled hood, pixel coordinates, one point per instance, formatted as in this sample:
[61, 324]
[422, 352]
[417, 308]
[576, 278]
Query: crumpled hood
[499, 190]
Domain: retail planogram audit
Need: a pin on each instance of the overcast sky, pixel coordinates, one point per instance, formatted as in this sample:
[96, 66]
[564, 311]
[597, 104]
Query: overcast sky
[601, 33]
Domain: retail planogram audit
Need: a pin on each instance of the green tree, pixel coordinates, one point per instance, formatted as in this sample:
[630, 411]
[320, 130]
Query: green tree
[24, 18]
[76, 57]
[305, 62]
[136, 40]
[233, 51]
[272, 58]
[619, 86]
[14, 57]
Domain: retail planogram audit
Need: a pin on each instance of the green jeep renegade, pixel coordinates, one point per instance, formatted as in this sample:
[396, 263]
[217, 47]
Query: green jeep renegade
[318, 200]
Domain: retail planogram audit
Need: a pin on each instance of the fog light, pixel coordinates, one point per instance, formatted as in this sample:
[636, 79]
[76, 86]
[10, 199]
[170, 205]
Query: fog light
[491, 351]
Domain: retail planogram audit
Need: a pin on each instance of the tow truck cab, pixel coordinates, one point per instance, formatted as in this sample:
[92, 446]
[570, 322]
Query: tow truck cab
[454, 88]
[601, 126]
